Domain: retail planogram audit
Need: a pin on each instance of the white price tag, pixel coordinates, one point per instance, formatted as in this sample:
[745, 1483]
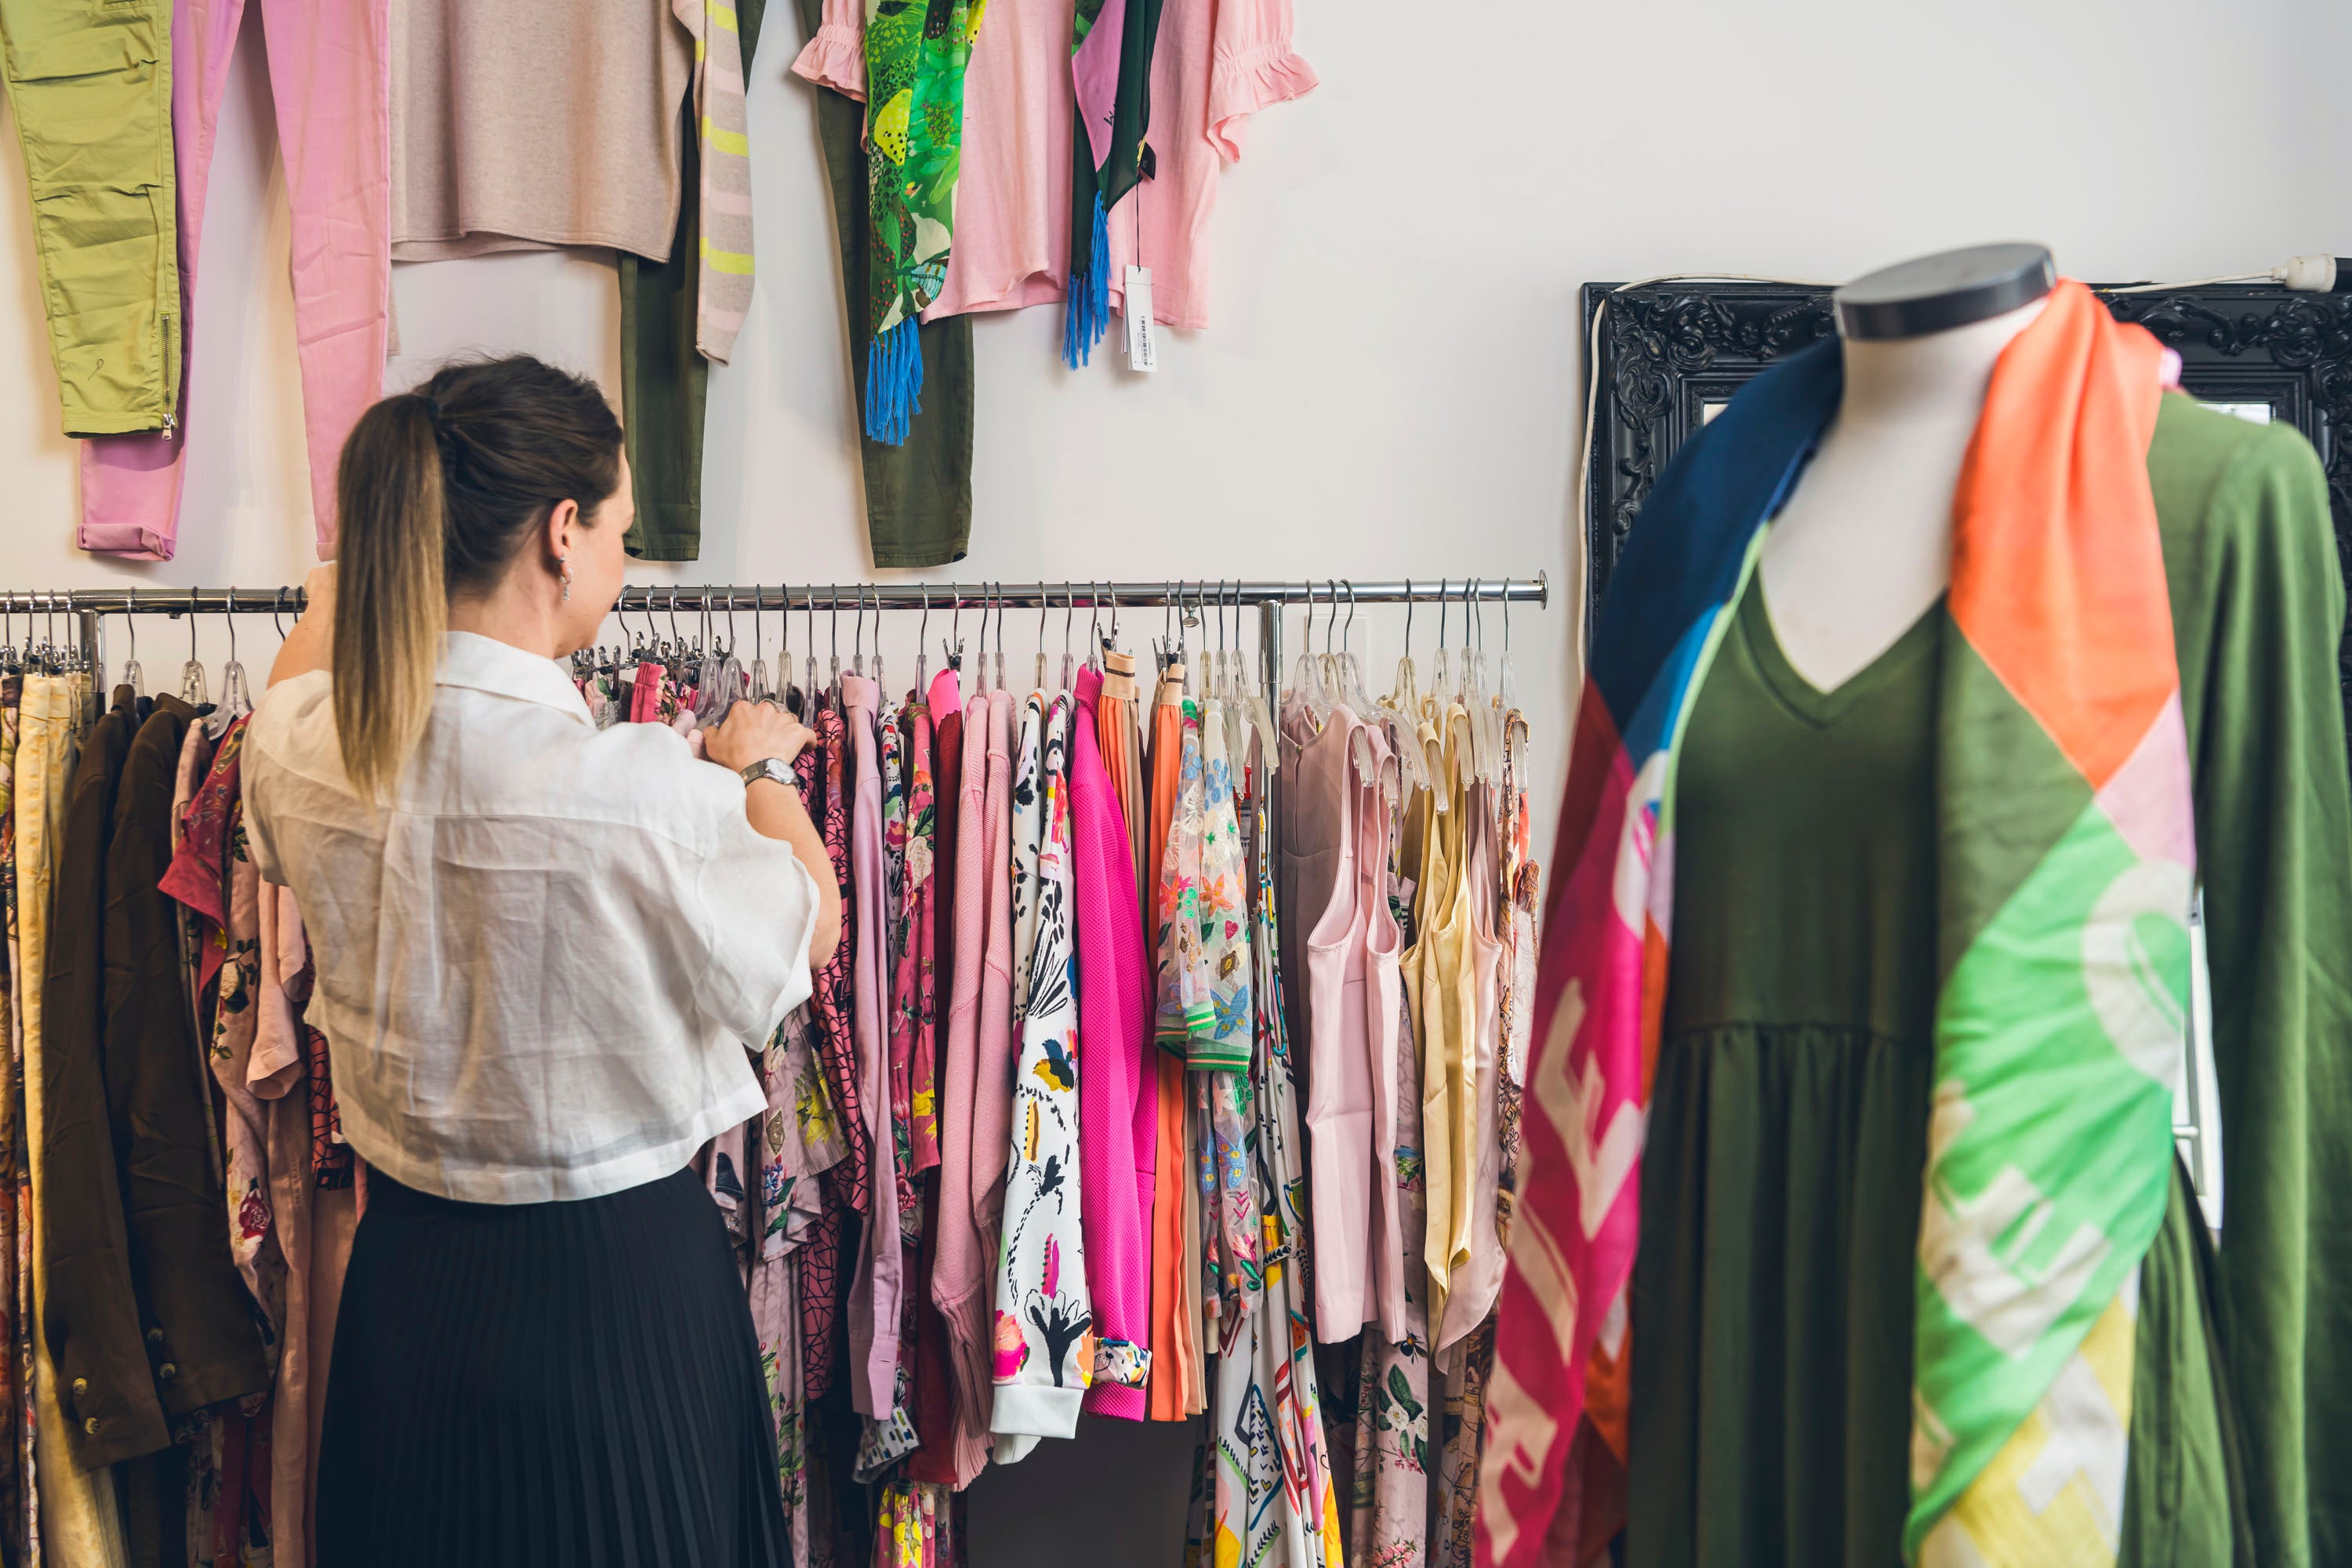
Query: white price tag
[1142, 332]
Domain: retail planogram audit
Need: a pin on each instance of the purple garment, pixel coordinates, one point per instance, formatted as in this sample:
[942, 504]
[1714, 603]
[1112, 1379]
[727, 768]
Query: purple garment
[1118, 1101]
[874, 1298]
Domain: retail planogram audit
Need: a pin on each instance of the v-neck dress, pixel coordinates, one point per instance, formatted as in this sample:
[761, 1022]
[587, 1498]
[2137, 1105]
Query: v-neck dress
[1772, 1308]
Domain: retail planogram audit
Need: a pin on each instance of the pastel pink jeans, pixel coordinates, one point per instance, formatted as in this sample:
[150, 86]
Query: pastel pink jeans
[329, 72]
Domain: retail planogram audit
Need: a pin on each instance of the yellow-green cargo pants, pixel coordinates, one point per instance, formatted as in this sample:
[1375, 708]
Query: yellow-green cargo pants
[90, 82]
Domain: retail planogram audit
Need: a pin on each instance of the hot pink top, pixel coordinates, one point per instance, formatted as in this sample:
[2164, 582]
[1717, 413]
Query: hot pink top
[1118, 1101]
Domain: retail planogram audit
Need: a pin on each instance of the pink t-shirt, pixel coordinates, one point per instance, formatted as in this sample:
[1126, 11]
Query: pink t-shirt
[1217, 63]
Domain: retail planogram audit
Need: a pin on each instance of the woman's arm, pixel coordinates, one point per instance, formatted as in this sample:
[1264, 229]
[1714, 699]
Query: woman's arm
[751, 733]
[311, 643]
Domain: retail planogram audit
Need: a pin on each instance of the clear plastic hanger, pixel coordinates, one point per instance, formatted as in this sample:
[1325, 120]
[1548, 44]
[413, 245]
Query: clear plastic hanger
[880, 679]
[192, 690]
[808, 673]
[760, 690]
[233, 703]
[1069, 615]
[1043, 601]
[1351, 668]
[133, 676]
[1440, 673]
[835, 682]
[1002, 684]
[1305, 689]
[922, 648]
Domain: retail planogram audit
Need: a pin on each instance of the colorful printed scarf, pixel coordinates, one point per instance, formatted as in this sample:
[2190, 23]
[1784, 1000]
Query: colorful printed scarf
[1111, 65]
[2065, 865]
[916, 51]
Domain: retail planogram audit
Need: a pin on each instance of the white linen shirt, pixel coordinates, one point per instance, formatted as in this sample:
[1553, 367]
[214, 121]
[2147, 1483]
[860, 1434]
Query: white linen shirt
[541, 965]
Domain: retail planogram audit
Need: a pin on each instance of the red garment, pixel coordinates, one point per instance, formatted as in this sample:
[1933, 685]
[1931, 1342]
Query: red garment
[820, 771]
[198, 875]
[934, 1401]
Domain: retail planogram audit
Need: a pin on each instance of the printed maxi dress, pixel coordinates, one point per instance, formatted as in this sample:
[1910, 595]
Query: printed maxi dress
[1044, 1333]
[1272, 1504]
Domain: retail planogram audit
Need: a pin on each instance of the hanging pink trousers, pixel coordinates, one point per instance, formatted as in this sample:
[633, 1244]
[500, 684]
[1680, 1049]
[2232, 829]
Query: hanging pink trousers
[330, 63]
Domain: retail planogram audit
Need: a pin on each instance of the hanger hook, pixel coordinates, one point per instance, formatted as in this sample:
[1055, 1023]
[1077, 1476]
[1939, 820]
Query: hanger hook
[1441, 615]
[1408, 618]
[229, 616]
[1507, 616]
[836, 622]
[1069, 614]
[192, 625]
[923, 632]
[1348, 637]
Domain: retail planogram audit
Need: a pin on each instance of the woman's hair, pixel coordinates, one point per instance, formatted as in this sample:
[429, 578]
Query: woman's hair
[438, 488]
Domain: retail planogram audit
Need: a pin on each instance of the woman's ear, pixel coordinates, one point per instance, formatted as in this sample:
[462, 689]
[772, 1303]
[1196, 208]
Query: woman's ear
[563, 524]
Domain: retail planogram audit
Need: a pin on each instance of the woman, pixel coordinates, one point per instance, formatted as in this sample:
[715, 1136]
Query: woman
[543, 950]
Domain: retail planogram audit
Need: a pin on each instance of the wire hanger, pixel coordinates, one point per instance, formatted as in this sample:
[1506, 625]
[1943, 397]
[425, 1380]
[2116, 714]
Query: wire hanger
[835, 681]
[760, 691]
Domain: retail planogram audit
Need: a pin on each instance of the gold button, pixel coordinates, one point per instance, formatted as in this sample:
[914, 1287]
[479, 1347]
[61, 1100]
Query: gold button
[154, 1336]
[167, 1371]
[91, 1426]
[81, 1385]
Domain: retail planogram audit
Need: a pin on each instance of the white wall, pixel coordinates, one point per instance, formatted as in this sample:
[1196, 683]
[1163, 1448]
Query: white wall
[1392, 383]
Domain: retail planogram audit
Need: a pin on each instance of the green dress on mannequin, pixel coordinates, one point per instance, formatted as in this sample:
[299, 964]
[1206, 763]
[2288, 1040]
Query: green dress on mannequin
[1772, 1300]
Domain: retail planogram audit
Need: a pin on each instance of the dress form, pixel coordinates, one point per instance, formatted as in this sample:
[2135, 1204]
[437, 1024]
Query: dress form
[1863, 546]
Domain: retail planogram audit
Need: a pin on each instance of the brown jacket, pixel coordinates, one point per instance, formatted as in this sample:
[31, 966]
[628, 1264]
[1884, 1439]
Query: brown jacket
[144, 1313]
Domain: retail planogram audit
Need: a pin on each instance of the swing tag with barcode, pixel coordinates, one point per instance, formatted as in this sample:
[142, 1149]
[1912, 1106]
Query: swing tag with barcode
[1142, 332]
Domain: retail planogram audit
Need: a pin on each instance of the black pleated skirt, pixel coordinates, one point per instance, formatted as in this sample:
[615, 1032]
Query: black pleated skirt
[574, 1383]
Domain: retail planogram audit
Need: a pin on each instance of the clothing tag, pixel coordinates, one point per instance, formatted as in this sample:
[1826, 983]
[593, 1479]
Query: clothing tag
[1142, 335]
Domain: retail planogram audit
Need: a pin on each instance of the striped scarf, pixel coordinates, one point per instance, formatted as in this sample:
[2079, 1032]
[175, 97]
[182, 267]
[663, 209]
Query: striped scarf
[2066, 863]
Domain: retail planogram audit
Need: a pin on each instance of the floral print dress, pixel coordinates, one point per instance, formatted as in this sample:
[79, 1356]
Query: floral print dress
[1043, 1323]
[1271, 1502]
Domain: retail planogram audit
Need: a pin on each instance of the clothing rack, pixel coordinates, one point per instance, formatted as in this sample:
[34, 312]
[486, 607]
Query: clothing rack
[88, 607]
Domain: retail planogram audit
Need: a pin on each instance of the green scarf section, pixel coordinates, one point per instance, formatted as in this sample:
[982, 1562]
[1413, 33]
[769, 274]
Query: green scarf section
[1108, 156]
[916, 52]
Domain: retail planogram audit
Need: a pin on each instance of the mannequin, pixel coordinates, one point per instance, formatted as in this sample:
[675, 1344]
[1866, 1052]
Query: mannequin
[1863, 546]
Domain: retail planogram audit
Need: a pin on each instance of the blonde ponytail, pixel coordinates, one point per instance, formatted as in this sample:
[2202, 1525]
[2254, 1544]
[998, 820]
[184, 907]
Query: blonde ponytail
[438, 488]
[392, 601]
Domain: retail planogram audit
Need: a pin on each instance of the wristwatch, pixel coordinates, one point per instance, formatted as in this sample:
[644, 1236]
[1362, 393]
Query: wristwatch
[770, 768]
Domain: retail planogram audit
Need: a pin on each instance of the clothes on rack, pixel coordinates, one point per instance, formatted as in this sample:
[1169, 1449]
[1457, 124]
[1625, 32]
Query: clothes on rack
[944, 1187]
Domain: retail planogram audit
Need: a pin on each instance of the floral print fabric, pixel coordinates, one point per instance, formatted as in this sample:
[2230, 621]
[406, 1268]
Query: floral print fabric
[1186, 1008]
[1043, 1334]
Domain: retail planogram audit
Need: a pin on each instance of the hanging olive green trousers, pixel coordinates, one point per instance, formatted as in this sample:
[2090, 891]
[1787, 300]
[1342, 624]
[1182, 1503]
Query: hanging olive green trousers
[90, 82]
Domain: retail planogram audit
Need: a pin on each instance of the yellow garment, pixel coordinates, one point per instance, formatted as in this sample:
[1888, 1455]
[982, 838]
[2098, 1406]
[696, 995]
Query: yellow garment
[90, 81]
[80, 1523]
[1438, 976]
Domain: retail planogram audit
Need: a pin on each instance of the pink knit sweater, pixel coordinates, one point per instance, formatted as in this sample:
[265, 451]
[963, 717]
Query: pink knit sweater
[978, 1073]
[1118, 1102]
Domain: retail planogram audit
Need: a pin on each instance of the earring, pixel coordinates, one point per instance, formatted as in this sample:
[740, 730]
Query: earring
[564, 566]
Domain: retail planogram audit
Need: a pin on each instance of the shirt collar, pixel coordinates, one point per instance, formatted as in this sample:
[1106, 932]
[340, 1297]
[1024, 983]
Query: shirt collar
[503, 670]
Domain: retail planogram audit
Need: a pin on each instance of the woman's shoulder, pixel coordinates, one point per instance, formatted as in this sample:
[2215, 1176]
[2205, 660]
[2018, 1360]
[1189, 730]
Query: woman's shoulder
[294, 726]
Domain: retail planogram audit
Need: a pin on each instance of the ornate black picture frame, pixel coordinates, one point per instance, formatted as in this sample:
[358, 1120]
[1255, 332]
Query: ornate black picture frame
[1668, 351]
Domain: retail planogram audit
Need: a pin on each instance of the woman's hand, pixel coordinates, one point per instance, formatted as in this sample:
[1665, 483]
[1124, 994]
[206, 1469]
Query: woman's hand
[753, 731]
[750, 733]
[311, 643]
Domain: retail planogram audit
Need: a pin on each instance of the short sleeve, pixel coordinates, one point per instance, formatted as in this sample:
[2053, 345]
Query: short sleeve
[835, 57]
[1252, 66]
[756, 905]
